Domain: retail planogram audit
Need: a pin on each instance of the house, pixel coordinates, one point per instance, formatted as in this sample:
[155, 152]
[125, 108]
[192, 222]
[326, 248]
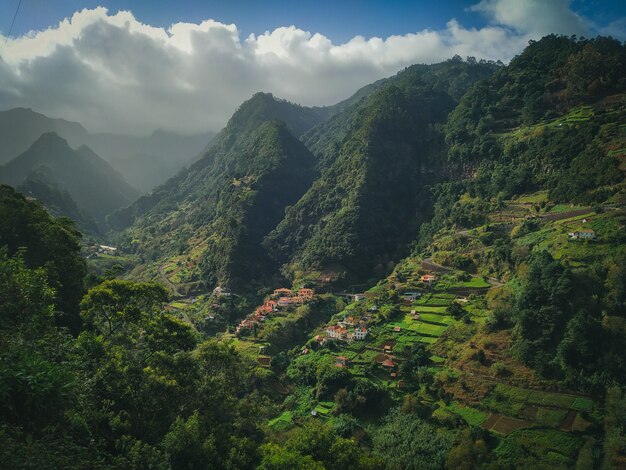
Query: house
[284, 292]
[410, 296]
[320, 340]
[336, 332]
[358, 297]
[393, 375]
[389, 363]
[360, 332]
[584, 234]
[220, 292]
[350, 321]
[428, 278]
[306, 293]
[284, 301]
[297, 300]
[341, 361]
[397, 329]
[270, 304]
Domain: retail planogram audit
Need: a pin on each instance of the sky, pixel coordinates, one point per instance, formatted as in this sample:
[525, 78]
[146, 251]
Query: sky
[185, 66]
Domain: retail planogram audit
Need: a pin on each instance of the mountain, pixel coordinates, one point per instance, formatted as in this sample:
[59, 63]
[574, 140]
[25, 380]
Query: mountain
[20, 127]
[377, 158]
[95, 187]
[145, 161]
[149, 161]
[57, 202]
[213, 216]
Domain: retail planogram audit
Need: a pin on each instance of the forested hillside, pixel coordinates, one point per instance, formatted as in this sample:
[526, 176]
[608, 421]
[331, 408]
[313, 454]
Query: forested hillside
[213, 217]
[452, 250]
[376, 159]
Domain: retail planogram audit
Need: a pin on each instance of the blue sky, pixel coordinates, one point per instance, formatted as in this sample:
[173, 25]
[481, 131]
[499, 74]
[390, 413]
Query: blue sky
[339, 20]
[133, 67]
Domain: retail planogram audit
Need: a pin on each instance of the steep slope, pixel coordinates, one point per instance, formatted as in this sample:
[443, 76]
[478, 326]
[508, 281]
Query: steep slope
[57, 202]
[91, 182]
[376, 159]
[212, 217]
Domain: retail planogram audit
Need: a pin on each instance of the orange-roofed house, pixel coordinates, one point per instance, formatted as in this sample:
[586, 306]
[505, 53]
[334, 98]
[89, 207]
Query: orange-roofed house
[428, 278]
[389, 363]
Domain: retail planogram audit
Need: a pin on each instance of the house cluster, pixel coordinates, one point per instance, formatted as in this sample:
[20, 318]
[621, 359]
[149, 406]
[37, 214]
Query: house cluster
[584, 234]
[280, 298]
[286, 297]
[349, 329]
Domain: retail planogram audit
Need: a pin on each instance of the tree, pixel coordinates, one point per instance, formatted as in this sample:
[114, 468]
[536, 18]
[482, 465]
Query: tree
[117, 306]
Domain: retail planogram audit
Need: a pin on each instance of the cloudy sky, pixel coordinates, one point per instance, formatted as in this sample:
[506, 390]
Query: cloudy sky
[136, 66]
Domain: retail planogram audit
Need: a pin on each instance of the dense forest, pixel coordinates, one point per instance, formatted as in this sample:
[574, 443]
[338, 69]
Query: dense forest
[466, 218]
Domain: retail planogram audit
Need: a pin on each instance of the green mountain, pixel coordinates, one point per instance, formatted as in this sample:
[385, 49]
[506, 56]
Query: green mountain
[377, 158]
[95, 187]
[57, 202]
[496, 343]
[213, 216]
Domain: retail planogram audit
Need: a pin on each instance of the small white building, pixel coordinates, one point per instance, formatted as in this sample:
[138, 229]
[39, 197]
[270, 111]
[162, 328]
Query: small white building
[584, 234]
[360, 332]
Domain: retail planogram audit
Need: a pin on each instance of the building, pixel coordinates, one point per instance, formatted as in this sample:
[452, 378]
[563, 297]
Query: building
[360, 332]
[341, 361]
[336, 332]
[284, 301]
[306, 293]
[584, 234]
[282, 292]
[410, 296]
[220, 292]
[389, 363]
[428, 278]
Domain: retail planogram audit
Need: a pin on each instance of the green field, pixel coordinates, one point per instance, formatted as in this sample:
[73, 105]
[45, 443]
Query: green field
[472, 416]
[282, 421]
[436, 318]
[428, 329]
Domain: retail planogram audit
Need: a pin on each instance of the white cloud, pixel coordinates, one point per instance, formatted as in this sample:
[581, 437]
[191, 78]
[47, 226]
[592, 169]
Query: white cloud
[113, 73]
[539, 17]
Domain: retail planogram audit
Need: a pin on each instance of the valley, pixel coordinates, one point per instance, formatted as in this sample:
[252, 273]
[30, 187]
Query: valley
[429, 274]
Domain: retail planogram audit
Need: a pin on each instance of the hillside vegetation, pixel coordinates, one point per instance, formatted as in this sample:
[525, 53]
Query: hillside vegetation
[453, 245]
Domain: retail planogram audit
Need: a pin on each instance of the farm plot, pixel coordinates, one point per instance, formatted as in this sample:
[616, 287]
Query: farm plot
[436, 318]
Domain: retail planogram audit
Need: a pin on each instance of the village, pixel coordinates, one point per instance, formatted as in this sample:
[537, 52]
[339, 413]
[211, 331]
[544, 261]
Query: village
[281, 298]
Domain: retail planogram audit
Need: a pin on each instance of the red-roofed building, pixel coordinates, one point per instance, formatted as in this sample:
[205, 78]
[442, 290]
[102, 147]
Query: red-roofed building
[428, 278]
[389, 363]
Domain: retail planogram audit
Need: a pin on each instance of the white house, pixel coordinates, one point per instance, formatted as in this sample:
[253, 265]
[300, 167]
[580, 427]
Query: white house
[360, 332]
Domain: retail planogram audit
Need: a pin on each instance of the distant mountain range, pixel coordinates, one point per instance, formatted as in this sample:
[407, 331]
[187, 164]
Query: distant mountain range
[145, 162]
[94, 186]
